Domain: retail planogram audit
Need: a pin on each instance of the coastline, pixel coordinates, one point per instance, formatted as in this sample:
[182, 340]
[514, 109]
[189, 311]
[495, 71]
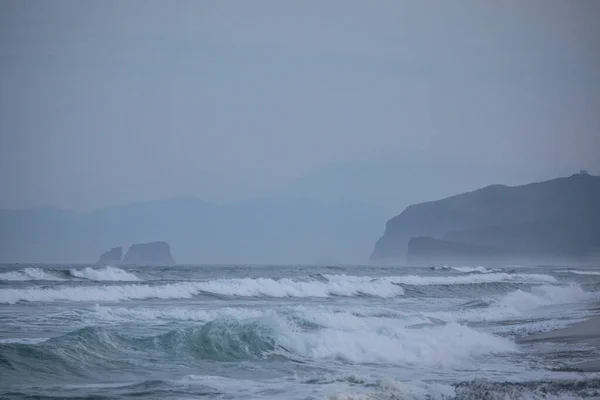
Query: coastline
[585, 332]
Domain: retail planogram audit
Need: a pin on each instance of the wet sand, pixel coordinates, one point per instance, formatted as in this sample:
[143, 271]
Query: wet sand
[586, 332]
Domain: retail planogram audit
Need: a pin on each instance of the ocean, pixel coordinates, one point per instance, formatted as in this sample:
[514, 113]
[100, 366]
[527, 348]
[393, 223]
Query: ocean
[294, 332]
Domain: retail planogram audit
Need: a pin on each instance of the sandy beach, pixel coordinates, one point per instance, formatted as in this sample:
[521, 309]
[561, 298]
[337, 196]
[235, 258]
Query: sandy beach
[586, 332]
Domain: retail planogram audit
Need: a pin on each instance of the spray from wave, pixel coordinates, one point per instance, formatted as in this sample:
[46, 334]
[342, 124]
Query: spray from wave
[269, 335]
[322, 286]
[244, 287]
[29, 274]
[518, 303]
[473, 279]
[576, 272]
[466, 270]
[104, 274]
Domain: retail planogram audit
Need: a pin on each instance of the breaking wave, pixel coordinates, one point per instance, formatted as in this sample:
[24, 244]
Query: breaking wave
[121, 314]
[331, 285]
[245, 287]
[98, 293]
[29, 274]
[324, 286]
[103, 274]
[481, 270]
[473, 279]
[323, 336]
[518, 303]
[576, 272]
[466, 270]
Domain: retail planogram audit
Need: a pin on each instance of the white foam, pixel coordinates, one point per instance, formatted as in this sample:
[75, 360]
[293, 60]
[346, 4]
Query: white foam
[119, 314]
[29, 274]
[388, 389]
[340, 387]
[341, 286]
[389, 341]
[545, 296]
[521, 303]
[582, 272]
[338, 285]
[98, 293]
[104, 274]
[344, 336]
[454, 280]
[23, 340]
[469, 270]
[335, 285]
[341, 334]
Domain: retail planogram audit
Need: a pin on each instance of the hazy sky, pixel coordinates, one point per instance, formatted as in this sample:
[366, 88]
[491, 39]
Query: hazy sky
[104, 102]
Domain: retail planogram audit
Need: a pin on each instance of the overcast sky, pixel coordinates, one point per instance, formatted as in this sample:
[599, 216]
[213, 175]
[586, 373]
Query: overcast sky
[105, 102]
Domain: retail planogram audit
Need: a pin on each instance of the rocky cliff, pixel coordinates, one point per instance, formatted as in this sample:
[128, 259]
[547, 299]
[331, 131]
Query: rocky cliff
[154, 253]
[111, 257]
[427, 251]
[555, 219]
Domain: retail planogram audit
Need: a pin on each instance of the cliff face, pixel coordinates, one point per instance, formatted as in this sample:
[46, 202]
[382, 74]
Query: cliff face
[111, 257]
[155, 253]
[426, 251]
[556, 218]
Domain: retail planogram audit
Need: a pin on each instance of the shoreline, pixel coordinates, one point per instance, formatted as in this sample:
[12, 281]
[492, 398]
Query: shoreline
[585, 332]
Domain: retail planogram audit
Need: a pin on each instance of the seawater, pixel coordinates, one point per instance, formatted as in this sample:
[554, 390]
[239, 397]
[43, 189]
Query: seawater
[293, 332]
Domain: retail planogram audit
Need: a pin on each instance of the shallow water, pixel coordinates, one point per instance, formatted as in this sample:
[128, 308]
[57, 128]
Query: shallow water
[293, 332]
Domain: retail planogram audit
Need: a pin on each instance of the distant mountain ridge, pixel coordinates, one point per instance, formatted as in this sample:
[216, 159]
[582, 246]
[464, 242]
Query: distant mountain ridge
[557, 219]
[270, 230]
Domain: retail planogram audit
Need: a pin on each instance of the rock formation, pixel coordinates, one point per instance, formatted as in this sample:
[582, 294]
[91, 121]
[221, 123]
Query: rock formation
[111, 257]
[426, 251]
[154, 253]
[557, 219]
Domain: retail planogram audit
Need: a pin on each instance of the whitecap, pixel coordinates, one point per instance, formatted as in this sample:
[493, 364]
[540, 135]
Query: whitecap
[103, 274]
[29, 274]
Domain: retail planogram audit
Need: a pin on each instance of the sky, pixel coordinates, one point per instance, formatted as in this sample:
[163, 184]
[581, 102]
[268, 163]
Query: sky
[109, 102]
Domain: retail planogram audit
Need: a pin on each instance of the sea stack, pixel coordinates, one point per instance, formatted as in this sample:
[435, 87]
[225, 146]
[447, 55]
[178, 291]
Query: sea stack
[111, 257]
[154, 253]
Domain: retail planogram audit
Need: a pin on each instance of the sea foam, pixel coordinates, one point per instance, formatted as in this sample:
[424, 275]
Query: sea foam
[29, 274]
[466, 279]
[520, 303]
[103, 274]
[576, 272]
[374, 340]
[332, 285]
[243, 287]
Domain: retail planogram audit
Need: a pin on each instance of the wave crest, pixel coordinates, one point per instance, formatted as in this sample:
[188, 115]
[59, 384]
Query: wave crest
[245, 287]
[332, 336]
[29, 274]
[578, 272]
[518, 303]
[103, 274]
[328, 285]
[471, 279]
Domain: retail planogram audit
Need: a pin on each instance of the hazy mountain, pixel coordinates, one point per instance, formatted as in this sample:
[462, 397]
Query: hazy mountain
[392, 185]
[258, 231]
[555, 219]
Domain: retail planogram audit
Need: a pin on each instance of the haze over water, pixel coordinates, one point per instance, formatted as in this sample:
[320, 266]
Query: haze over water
[263, 132]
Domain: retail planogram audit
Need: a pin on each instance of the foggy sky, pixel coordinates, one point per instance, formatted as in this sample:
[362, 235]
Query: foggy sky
[106, 102]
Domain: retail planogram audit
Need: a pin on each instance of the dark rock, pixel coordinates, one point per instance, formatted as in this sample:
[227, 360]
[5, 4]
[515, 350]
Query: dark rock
[557, 219]
[111, 257]
[154, 253]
